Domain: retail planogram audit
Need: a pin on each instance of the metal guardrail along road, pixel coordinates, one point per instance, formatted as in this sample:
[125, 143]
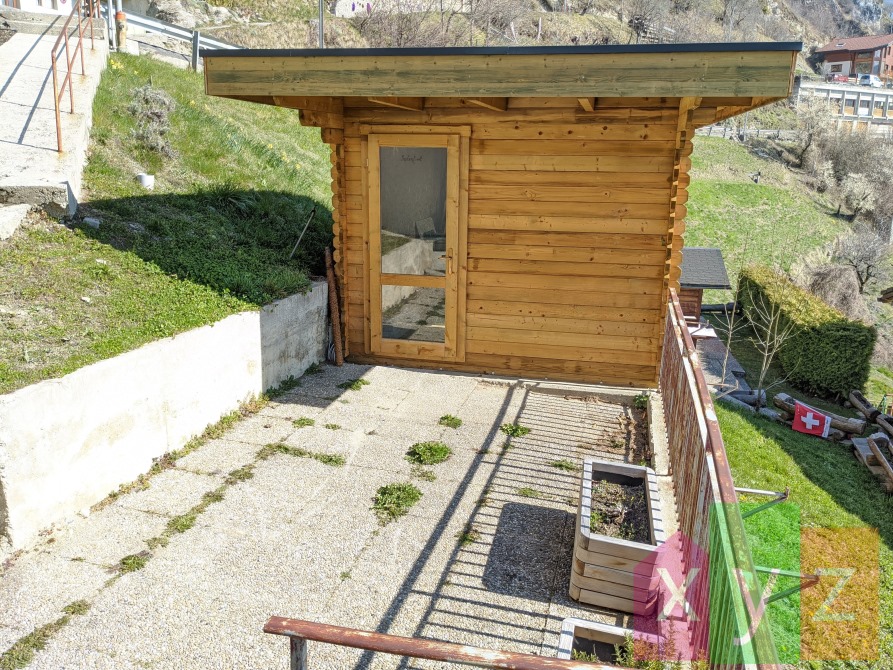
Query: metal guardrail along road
[174, 31]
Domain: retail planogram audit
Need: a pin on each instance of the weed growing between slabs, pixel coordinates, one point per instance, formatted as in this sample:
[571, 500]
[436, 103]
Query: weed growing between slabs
[395, 500]
[428, 453]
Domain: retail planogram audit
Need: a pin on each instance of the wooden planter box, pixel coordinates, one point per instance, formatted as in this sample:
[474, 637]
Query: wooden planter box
[590, 637]
[603, 572]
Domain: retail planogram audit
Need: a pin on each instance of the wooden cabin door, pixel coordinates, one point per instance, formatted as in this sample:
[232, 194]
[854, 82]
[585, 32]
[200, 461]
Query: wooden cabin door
[414, 219]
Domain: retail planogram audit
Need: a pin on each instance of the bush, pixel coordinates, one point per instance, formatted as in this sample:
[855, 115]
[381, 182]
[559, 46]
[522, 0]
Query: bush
[825, 353]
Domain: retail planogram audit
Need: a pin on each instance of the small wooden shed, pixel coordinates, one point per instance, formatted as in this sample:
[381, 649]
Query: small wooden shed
[510, 210]
[702, 269]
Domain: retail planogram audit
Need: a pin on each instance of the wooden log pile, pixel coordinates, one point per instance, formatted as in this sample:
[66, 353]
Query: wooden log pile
[875, 452]
[842, 427]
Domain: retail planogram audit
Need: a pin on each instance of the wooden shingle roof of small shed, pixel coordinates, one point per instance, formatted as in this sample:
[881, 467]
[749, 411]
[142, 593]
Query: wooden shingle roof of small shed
[726, 78]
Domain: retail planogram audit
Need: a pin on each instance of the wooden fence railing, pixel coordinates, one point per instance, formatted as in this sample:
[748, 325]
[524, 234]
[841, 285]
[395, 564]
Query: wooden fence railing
[708, 508]
[84, 11]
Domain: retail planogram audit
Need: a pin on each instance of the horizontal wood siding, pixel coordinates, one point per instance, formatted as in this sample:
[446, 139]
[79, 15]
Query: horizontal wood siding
[570, 230]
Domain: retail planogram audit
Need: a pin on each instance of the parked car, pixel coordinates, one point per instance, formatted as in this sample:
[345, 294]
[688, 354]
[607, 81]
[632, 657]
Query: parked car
[870, 80]
[838, 78]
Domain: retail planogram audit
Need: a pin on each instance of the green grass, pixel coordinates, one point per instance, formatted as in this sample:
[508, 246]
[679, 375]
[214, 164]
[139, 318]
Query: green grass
[22, 652]
[528, 492]
[134, 562]
[333, 426]
[450, 421]
[564, 464]
[773, 222]
[335, 460]
[353, 384]
[428, 453]
[211, 240]
[514, 429]
[829, 488]
[303, 422]
[750, 358]
[394, 500]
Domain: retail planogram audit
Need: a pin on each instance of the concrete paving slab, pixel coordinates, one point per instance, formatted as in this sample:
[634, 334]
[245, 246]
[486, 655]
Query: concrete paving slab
[219, 457]
[171, 493]
[299, 537]
[28, 604]
[11, 217]
[106, 536]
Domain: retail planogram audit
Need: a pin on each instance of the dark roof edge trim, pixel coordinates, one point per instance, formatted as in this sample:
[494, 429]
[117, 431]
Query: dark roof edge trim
[509, 51]
[704, 286]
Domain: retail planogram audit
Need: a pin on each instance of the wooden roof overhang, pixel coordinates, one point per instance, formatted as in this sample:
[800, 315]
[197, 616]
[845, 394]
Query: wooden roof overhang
[716, 81]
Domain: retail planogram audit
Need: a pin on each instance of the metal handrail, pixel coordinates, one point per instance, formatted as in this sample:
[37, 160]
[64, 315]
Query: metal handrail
[299, 632]
[64, 37]
[172, 30]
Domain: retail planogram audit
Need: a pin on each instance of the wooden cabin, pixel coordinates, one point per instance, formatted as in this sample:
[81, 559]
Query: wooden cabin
[702, 269]
[510, 210]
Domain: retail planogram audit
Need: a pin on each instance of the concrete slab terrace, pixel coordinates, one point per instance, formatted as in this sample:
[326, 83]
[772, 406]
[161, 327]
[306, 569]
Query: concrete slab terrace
[483, 559]
[31, 170]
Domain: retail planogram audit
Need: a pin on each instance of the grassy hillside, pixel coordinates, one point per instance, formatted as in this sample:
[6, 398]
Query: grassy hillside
[774, 222]
[212, 239]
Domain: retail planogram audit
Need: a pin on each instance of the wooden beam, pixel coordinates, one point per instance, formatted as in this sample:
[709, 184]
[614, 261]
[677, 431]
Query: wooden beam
[588, 104]
[573, 74]
[496, 104]
[314, 103]
[412, 104]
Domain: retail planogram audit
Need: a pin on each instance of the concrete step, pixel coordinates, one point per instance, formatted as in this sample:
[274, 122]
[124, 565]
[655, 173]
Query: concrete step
[32, 171]
[11, 217]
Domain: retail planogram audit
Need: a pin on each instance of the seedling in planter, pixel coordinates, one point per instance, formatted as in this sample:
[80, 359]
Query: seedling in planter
[353, 384]
[303, 422]
[528, 492]
[428, 453]
[450, 421]
[514, 429]
[641, 401]
[394, 500]
[566, 465]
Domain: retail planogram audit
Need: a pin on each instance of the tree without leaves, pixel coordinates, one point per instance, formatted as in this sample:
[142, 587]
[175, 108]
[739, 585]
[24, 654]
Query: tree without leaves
[858, 193]
[865, 252]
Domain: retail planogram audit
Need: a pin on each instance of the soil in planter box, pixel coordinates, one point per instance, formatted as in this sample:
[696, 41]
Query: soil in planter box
[620, 510]
[593, 650]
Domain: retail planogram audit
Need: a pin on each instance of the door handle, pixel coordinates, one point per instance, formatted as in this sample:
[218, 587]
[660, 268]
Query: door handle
[449, 261]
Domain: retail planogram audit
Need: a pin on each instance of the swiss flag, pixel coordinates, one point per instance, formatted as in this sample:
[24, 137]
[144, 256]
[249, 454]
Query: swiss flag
[810, 421]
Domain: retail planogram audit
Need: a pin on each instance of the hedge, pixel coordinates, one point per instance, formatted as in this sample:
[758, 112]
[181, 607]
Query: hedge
[826, 353]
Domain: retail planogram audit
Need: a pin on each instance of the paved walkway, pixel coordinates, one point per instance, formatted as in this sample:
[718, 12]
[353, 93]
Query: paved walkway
[31, 170]
[298, 538]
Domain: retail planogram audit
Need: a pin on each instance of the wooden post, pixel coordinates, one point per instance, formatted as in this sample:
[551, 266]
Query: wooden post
[333, 308]
[196, 42]
[298, 656]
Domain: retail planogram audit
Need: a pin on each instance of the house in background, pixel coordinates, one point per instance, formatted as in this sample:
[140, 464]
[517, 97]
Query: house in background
[702, 268]
[852, 56]
[514, 210]
[61, 7]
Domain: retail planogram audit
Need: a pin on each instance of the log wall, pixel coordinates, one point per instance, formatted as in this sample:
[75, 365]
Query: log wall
[574, 230]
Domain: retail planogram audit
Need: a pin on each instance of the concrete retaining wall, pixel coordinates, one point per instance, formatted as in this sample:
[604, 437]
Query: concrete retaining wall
[66, 443]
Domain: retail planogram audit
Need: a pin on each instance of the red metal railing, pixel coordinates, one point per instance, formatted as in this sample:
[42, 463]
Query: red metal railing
[708, 507]
[299, 632]
[85, 11]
